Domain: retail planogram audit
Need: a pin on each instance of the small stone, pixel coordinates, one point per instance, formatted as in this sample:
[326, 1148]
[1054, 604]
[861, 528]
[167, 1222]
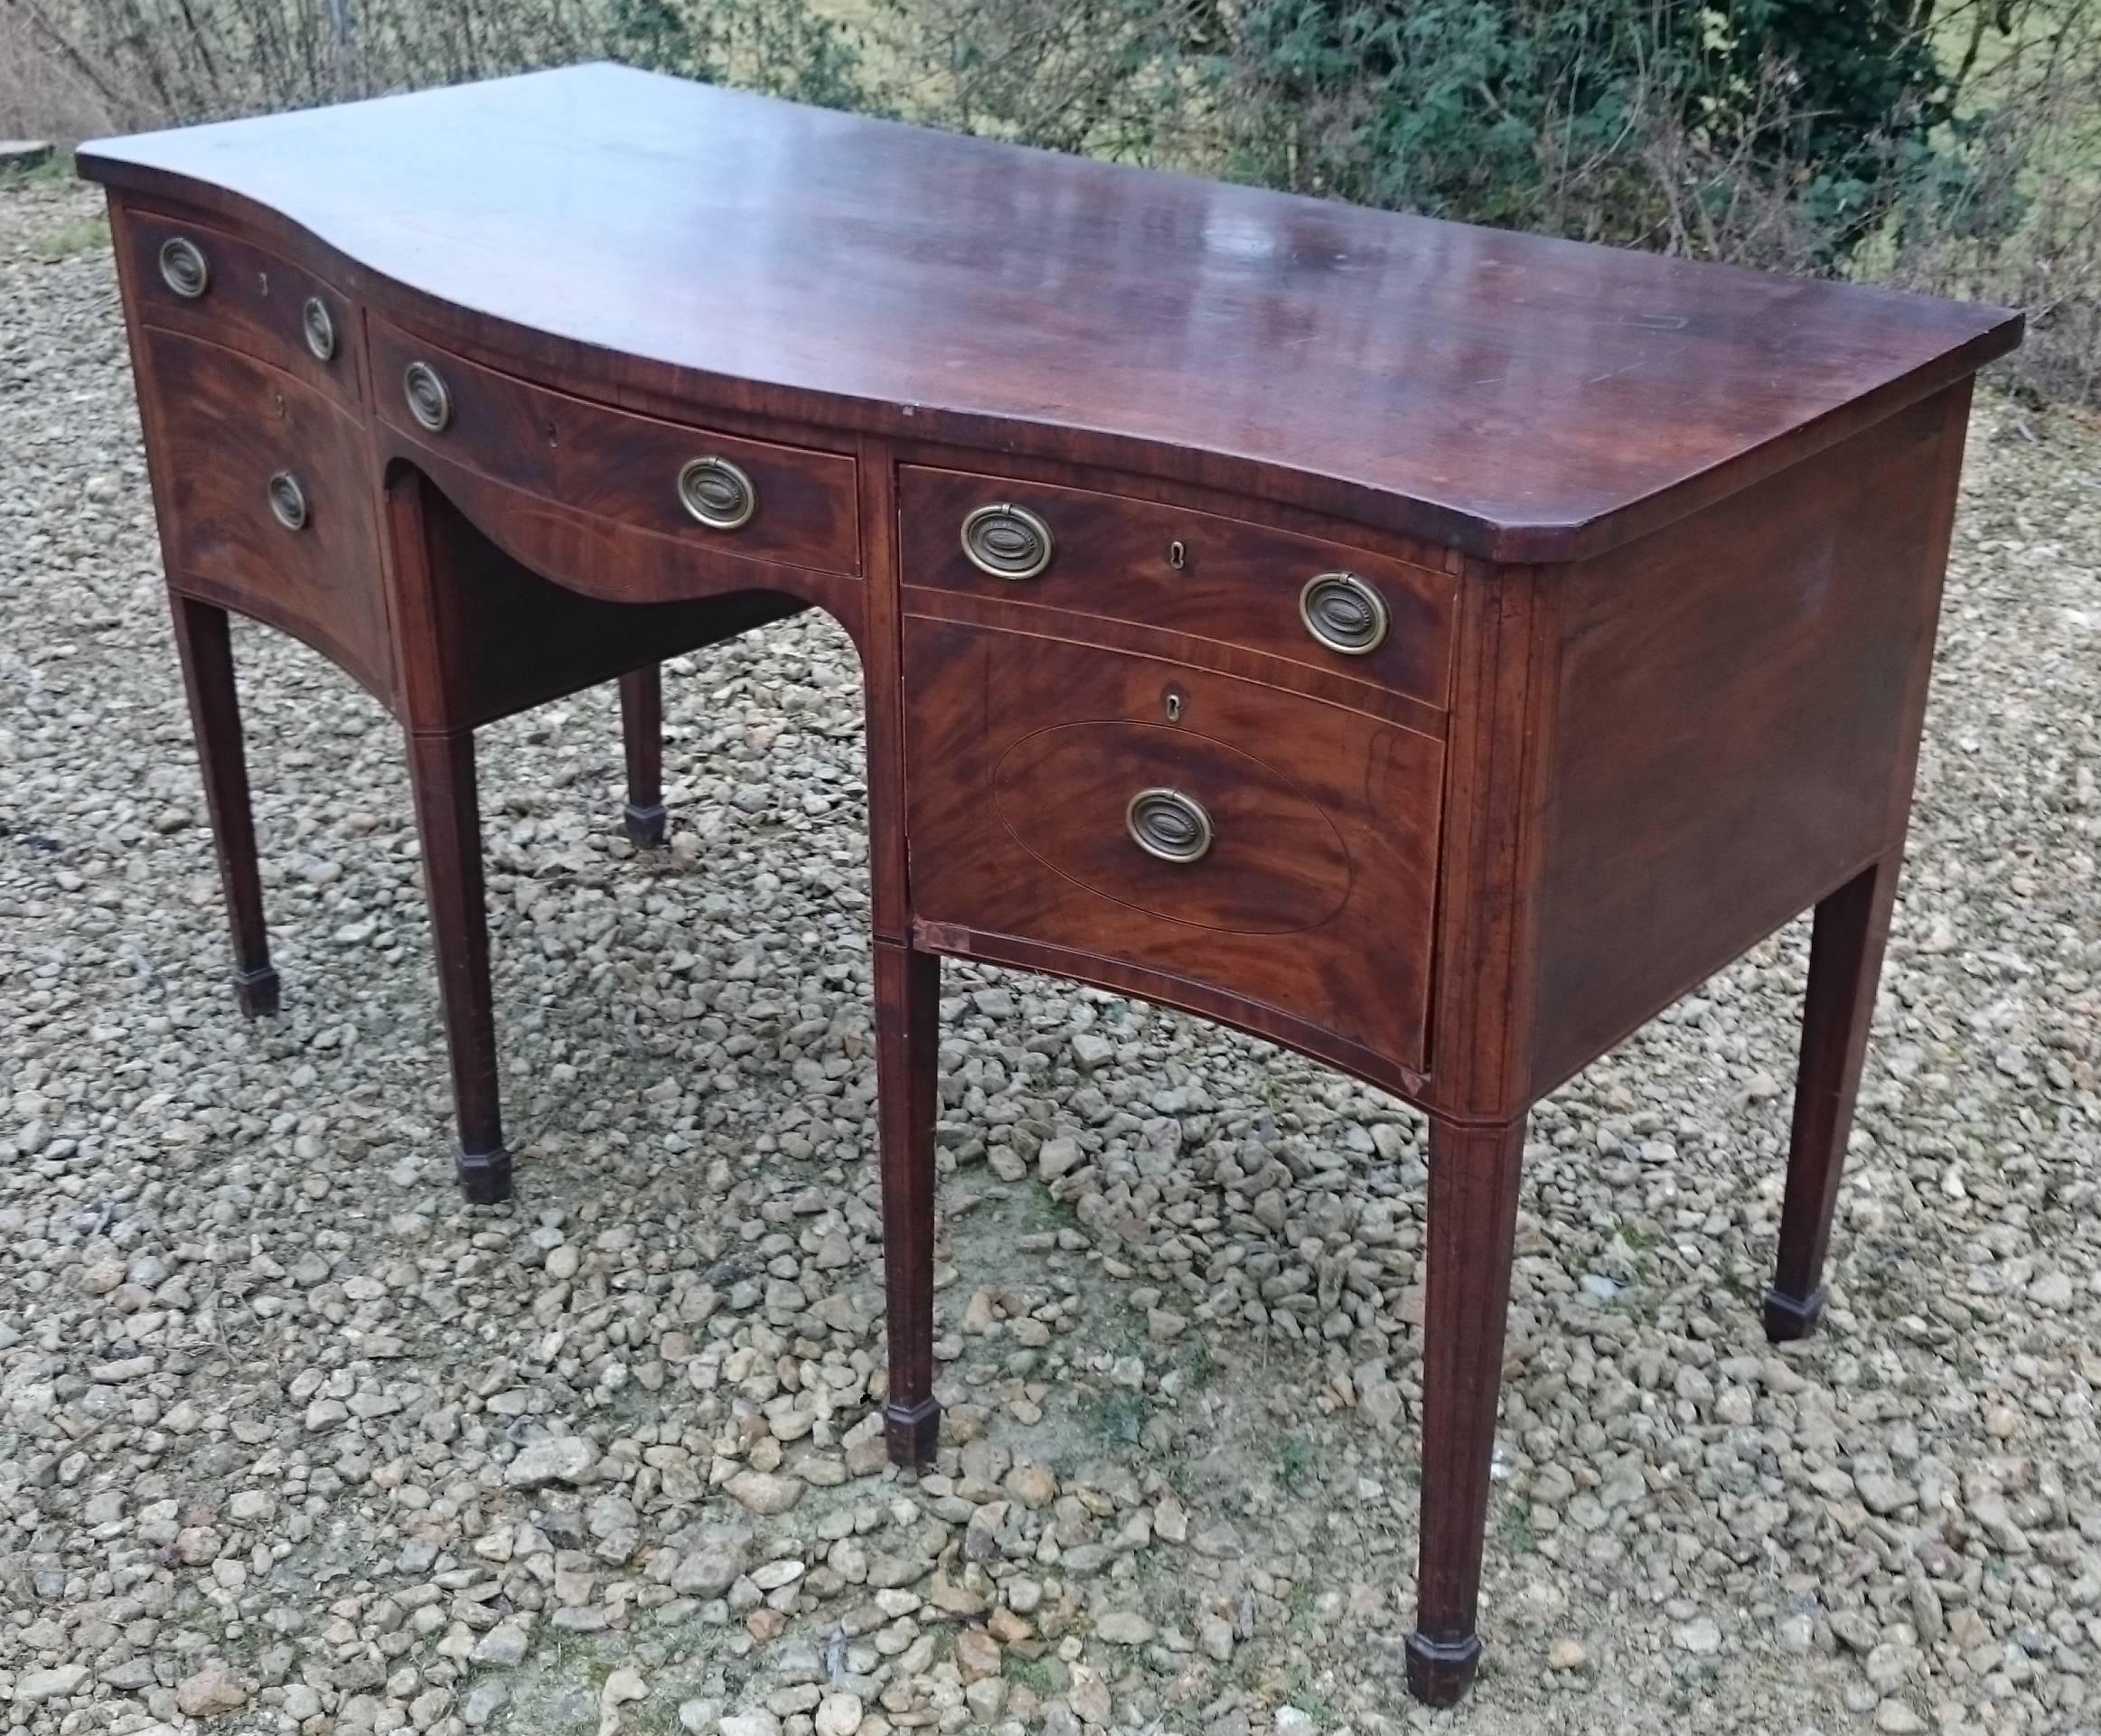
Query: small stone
[1292, 1722]
[1090, 1051]
[1059, 1157]
[712, 1569]
[1567, 1654]
[1031, 1484]
[32, 1687]
[1894, 1718]
[622, 1687]
[484, 1701]
[698, 1717]
[757, 1723]
[504, 1645]
[1126, 1628]
[2052, 1290]
[1089, 1698]
[1700, 1636]
[1882, 1494]
[764, 1492]
[211, 1691]
[977, 1653]
[1214, 1639]
[1165, 1328]
[839, 1714]
[552, 1458]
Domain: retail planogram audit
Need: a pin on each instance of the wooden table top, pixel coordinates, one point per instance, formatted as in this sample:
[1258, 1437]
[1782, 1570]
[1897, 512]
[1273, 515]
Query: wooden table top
[1516, 397]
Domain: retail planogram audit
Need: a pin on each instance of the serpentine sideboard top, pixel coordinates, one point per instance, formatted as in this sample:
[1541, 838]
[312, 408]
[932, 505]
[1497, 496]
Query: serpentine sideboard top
[1513, 396]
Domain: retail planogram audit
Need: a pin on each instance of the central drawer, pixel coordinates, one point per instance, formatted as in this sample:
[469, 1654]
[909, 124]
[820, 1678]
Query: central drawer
[1327, 604]
[1205, 829]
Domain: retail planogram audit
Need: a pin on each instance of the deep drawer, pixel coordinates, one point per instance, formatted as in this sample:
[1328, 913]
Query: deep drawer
[1310, 600]
[1211, 829]
[209, 284]
[722, 493]
[264, 505]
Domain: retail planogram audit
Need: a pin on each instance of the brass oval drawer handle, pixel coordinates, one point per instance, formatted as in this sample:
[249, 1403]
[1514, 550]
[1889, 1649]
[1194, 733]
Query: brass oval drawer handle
[288, 501]
[430, 401]
[319, 326]
[1343, 613]
[184, 267]
[1169, 825]
[1005, 540]
[717, 493]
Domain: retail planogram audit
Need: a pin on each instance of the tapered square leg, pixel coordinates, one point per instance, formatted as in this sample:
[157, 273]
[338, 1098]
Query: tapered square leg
[1474, 1175]
[908, 1039]
[441, 767]
[204, 642]
[1845, 962]
[642, 728]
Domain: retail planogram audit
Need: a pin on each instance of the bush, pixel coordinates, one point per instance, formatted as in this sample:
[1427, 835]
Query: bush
[1958, 151]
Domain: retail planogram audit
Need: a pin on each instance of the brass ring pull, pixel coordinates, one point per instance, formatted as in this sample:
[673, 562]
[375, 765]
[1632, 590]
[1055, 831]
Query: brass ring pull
[288, 501]
[1343, 613]
[1006, 541]
[184, 267]
[720, 494]
[430, 401]
[319, 326]
[1169, 825]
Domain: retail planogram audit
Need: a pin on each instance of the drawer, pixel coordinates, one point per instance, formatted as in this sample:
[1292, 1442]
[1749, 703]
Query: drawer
[723, 492]
[234, 293]
[1300, 597]
[263, 501]
[1211, 829]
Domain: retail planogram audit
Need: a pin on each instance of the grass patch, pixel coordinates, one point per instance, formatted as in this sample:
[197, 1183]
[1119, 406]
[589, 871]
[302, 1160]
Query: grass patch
[87, 235]
[1033, 1673]
[1295, 1457]
[1516, 1524]
[56, 167]
[1119, 1416]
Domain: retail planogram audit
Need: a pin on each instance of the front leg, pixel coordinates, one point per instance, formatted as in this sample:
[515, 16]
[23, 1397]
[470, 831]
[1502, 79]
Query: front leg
[204, 642]
[907, 1039]
[642, 728]
[1845, 964]
[441, 768]
[1472, 1232]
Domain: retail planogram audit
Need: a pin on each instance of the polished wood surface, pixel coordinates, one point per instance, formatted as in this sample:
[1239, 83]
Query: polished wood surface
[1315, 898]
[223, 536]
[1516, 397]
[1166, 569]
[1431, 649]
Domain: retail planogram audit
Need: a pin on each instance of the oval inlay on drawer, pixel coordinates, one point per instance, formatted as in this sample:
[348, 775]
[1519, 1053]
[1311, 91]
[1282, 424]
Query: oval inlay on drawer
[1275, 863]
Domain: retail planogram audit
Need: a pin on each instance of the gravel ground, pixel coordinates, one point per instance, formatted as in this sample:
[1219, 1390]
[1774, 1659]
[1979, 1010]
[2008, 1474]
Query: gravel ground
[291, 1440]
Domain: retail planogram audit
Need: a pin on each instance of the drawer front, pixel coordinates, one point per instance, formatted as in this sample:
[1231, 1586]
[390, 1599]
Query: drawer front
[1314, 602]
[264, 505]
[1213, 829]
[721, 492]
[209, 284]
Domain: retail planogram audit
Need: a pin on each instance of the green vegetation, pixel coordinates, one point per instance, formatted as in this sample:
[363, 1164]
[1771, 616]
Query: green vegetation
[1954, 147]
[1295, 1461]
[89, 235]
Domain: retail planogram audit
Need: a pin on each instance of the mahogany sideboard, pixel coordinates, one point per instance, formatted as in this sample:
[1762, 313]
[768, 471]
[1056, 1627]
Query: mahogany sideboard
[1431, 649]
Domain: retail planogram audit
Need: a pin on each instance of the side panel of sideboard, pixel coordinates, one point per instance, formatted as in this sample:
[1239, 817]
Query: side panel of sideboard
[1735, 723]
